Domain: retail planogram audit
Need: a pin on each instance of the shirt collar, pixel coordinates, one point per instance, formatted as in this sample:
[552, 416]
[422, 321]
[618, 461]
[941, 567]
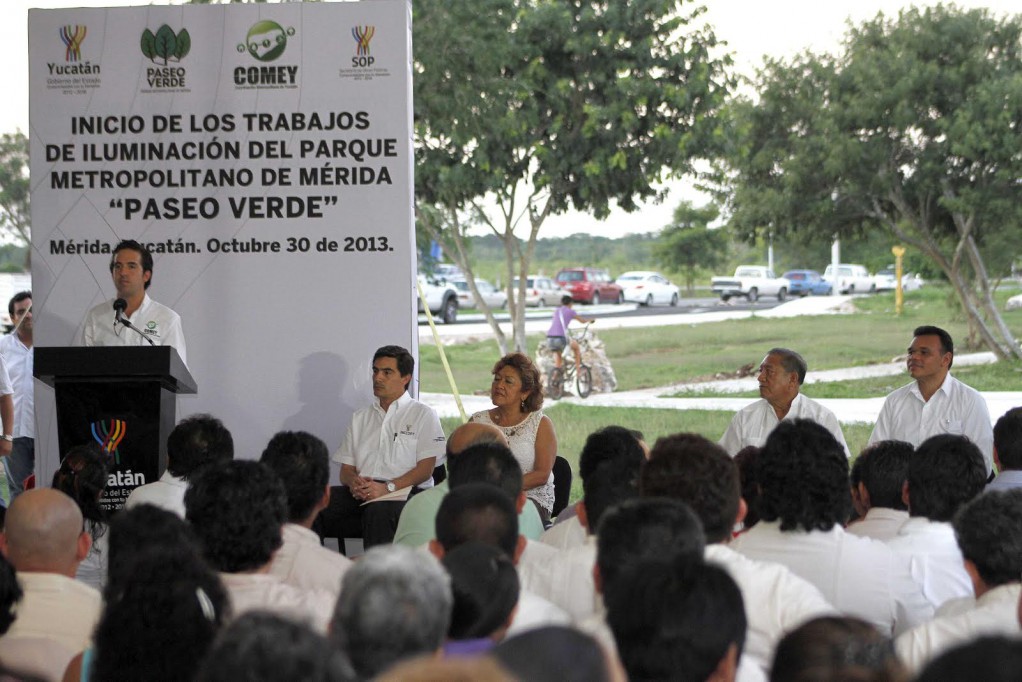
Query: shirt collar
[399, 403]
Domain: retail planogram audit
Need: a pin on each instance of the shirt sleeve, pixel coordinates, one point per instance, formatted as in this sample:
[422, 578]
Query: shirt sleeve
[432, 442]
[882, 429]
[977, 427]
[175, 337]
[732, 438]
[6, 388]
[346, 453]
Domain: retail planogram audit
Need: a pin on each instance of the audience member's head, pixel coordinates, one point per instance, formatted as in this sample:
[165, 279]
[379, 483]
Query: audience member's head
[266, 646]
[43, 533]
[302, 463]
[677, 620]
[989, 533]
[237, 509]
[878, 476]
[477, 512]
[836, 649]
[1008, 439]
[747, 461]
[945, 472]
[610, 483]
[698, 472]
[140, 528]
[462, 669]
[395, 604]
[803, 477]
[490, 463]
[473, 433]
[485, 587]
[555, 653]
[82, 477]
[197, 440]
[10, 594]
[611, 443]
[990, 658]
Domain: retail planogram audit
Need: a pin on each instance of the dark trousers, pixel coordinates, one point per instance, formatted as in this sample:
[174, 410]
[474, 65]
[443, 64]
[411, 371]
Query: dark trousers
[345, 517]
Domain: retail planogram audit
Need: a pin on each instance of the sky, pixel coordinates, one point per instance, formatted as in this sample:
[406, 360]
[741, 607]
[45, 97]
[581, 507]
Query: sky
[752, 29]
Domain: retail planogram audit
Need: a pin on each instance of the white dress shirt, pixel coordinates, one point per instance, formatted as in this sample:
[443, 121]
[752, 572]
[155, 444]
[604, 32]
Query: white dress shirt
[859, 576]
[995, 613]
[566, 534]
[155, 320]
[934, 559]
[56, 608]
[304, 563]
[535, 612]
[566, 579]
[265, 592]
[879, 523]
[167, 493]
[954, 408]
[753, 423]
[19, 360]
[1008, 479]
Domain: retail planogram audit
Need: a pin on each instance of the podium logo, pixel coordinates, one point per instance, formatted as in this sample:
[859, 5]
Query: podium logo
[166, 45]
[73, 37]
[109, 433]
[362, 36]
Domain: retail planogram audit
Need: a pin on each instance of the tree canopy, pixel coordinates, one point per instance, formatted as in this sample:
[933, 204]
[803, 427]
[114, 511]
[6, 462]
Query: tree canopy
[689, 245]
[15, 217]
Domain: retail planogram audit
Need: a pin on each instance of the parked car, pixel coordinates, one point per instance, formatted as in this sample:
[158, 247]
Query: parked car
[750, 281]
[541, 291]
[646, 288]
[849, 279]
[590, 285]
[807, 283]
[494, 297]
[441, 297]
[885, 280]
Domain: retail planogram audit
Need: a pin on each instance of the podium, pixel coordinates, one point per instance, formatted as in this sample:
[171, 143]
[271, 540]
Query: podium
[123, 399]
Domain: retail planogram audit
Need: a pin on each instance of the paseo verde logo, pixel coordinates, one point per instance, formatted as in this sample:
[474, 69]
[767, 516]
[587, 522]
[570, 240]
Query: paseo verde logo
[166, 45]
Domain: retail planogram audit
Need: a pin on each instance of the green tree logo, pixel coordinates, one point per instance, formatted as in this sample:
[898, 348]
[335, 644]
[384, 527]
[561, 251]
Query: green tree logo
[165, 44]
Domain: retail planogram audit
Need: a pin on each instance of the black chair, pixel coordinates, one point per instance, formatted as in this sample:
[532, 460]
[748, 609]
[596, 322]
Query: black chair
[562, 485]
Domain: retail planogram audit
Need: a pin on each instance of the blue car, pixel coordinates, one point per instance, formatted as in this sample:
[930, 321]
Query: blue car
[807, 282]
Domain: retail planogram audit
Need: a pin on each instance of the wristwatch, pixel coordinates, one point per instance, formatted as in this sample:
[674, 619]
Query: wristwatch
[9, 439]
[391, 487]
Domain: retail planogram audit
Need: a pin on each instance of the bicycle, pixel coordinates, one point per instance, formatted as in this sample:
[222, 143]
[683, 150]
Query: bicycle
[582, 375]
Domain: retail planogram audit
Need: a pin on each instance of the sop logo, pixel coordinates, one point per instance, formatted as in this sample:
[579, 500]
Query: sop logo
[362, 36]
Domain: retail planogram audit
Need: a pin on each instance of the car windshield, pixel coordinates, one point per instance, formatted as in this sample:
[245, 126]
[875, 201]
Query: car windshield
[794, 275]
[569, 276]
[630, 278]
[747, 272]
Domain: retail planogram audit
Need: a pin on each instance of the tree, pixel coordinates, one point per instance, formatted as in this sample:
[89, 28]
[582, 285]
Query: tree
[689, 245]
[915, 129]
[15, 217]
[538, 106]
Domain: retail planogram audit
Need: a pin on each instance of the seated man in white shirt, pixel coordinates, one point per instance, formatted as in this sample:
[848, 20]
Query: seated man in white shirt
[944, 473]
[689, 468]
[780, 381]
[804, 504]
[1008, 451]
[301, 462]
[237, 509]
[196, 440]
[989, 532]
[877, 484]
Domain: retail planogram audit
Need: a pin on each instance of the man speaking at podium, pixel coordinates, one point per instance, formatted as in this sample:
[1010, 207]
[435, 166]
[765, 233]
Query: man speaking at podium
[132, 318]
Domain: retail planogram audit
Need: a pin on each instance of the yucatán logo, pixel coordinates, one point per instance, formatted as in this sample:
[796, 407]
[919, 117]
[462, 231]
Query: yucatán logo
[73, 37]
[109, 433]
[266, 42]
[362, 36]
[165, 49]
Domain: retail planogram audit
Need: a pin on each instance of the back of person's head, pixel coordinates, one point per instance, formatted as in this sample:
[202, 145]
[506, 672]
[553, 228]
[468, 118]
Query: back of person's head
[612, 482]
[473, 433]
[680, 620]
[395, 604]
[162, 610]
[477, 512]
[1008, 439]
[989, 533]
[609, 443]
[43, 532]
[945, 472]
[485, 587]
[646, 528]
[836, 649]
[803, 477]
[265, 646]
[82, 476]
[882, 469]
[991, 658]
[10, 594]
[302, 463]
[197, 440]
[460, 669]
[237, 509]
[490, 463]
[139, 528]
[698, 472]
[554, 653]
[747, 461]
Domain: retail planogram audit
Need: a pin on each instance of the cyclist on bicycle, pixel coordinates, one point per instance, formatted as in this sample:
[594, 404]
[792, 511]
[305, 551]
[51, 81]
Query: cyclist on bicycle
[557, 338]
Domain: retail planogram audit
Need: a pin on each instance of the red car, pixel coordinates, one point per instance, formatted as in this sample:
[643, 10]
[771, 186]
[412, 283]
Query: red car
[590, 285]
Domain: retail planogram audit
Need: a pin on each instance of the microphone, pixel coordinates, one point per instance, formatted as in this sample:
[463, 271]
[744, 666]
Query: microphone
[119, 307]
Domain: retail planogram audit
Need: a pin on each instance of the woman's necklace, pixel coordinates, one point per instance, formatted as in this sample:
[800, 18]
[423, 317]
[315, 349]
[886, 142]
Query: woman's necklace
[509, 431]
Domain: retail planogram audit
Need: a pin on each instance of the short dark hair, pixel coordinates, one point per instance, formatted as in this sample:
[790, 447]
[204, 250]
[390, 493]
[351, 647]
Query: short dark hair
[835, 648]
[791, 362]
[989, 533]
[301, 462]
[882, 468]
[646, 528]
[529, 375]
[1008, 438]
[804, 477]
[947, 345]
[132, 245]
[405, 361]
[553, 653]
[610, 483]
[610, 442]
[993, 658]
[197, 440]
[698, 472]
[237, 509]
[17, 298]
[477, 512]
[135, 529]
[945, 472]
[566, 300]
[675, 620]
[747, 461]
[485, 586]
[490, 463]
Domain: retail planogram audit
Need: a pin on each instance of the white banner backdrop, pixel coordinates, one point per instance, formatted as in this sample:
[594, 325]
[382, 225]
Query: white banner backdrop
[264, 154]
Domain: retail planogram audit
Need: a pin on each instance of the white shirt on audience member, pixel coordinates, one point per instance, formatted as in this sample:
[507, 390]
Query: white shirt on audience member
[934, 559]
[56, 608]
[753, 423]
[266, 592]
[879, 523]
[535, 612]
[568, 533]
[566, 579]
[167, 493]
[304, 563]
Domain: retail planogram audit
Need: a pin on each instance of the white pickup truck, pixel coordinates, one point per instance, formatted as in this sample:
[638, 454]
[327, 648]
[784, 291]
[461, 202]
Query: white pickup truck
[751, 281]
[441, 297]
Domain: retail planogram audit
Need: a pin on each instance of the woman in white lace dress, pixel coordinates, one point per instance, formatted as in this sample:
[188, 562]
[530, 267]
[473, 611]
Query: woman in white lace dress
[517, 398]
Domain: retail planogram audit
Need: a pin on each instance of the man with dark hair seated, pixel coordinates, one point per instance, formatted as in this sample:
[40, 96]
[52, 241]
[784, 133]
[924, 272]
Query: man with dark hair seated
[805, 503]
[944, 473]
[989, 532]
[691, 469]
[237, 509]
[1008, 450]
[301, 462]
[877, 483]
[197, 440]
